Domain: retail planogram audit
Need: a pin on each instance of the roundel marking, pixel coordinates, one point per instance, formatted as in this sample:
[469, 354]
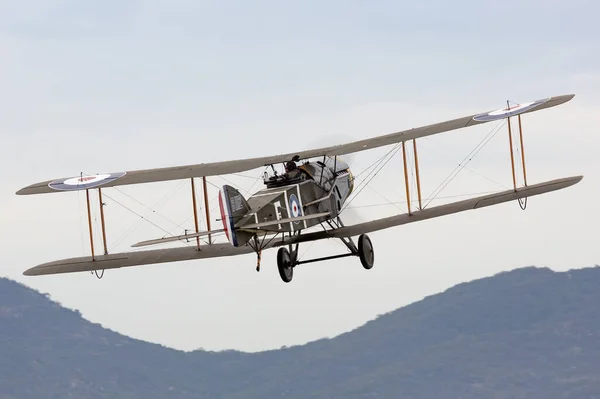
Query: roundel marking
[508, 111]
[84, 182]
[294, 206]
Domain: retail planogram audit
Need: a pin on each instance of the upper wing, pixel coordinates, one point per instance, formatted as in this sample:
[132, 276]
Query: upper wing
[227, 167]
[126, 259]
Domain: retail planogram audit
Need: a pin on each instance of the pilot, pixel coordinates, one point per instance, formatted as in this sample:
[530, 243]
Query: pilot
[290, 165]
[291, 170]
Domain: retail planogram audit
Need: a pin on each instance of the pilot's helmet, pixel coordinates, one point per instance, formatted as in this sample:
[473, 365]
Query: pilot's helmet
[290, 165]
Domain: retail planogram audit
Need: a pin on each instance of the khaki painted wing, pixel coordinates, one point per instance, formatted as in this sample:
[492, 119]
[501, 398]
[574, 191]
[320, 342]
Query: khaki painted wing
[118, 260]
[126, 259]
[240, 165]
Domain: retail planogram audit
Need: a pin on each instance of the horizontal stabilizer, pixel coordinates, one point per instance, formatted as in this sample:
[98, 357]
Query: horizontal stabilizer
[176, 238]
[246, 227]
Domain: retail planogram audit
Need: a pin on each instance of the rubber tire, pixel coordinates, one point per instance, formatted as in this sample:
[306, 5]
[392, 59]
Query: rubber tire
[284, 265]
[365, 251]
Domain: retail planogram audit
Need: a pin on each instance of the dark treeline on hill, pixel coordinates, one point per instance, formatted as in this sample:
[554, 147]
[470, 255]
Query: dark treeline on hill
[528, 333]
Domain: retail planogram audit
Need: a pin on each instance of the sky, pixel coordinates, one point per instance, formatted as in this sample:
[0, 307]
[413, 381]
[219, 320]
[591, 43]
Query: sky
[121, 85]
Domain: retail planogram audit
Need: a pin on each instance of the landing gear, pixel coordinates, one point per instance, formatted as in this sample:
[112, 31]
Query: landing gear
[287, 255]
[287, 260]
[365, 251]
[285, 265]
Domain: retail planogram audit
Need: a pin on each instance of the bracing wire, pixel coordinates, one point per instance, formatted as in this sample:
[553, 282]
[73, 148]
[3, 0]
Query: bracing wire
[142, 218]
[378, 164]
[462, 164]
[162, 201]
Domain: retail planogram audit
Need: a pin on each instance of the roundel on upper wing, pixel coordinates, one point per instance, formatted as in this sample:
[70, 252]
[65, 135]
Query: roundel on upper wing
[294, 206]
[84, 182]
[508, 111]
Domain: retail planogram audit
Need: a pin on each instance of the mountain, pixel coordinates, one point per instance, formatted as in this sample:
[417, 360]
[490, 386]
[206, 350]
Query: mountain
[526, 333]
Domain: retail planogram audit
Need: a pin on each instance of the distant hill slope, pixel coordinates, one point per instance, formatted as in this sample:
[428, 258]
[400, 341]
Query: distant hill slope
[526, 333]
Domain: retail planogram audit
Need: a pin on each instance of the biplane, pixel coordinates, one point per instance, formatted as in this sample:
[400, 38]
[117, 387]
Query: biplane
[311, 191]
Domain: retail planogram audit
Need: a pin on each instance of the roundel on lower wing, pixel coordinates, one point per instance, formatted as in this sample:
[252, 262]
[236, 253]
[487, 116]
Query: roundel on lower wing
[508, 112]
[294, 206]
[84, 182]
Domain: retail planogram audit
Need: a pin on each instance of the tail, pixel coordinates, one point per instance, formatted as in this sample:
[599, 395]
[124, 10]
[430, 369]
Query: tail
[233, 207]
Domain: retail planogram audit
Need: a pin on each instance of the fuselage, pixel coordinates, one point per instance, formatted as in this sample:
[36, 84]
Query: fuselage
[309, 188]
[318, 188]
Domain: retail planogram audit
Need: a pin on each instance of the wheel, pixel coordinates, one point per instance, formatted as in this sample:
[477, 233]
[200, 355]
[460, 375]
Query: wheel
[284, 265]
[365, 251]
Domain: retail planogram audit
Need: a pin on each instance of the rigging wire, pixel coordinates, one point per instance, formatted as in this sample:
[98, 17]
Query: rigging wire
[163, 200]
[462, 164]
[381, 163]
[444, 155]
[395, 148]
[142, 218]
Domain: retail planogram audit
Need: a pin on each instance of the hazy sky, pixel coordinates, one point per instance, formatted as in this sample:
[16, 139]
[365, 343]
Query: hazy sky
[121, 85]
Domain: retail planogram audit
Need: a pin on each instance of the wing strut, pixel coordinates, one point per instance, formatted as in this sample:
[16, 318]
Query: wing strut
[195, 212]
[102, 221]
[406, 177]
[522, 151]
[89, 212]
[512, 158]
[417, 173]
[206, 208]
[103, 225]
[522, 201]
[418, 178]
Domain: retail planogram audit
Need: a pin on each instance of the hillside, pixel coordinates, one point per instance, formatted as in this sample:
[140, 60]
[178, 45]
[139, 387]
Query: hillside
[526, 333]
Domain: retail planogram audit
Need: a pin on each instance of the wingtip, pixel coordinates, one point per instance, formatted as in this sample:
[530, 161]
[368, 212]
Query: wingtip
[568, 97]
[31, 272]
[562, 99]
[568, 181]
[37, 188]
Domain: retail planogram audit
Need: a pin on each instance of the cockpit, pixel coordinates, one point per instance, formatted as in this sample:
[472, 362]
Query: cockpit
[323, 171]
[292, 174]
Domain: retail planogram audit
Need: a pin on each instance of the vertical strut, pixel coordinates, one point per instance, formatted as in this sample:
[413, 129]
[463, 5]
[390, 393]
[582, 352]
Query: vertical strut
[102, 221]
[406, 176]
[512, 159]
[195, 211]
[522, 151]
[87, 195]
[206, 209]
[417, 173]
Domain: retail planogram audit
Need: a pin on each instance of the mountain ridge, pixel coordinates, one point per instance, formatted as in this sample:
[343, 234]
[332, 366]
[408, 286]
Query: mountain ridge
[516, 333]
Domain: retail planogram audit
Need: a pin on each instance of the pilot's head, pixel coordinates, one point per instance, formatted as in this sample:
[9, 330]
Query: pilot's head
[290, 165]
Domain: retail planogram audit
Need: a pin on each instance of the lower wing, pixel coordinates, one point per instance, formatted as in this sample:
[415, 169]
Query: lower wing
[118, 260]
